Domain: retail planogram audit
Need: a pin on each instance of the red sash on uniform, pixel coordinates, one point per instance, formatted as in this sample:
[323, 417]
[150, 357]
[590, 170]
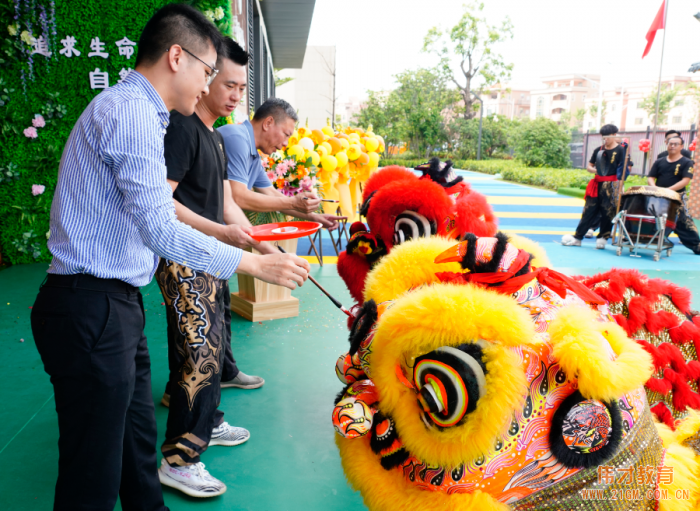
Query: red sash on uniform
[592, 188]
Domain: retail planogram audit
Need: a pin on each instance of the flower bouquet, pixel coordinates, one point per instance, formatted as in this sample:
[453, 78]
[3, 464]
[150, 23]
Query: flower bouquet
[289, 175]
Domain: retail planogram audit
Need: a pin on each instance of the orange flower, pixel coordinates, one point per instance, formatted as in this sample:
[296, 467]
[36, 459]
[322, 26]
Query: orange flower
[280, 183]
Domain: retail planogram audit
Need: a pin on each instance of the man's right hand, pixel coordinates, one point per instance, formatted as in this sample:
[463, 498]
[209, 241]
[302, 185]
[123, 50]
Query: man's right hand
[285, 270]
[238, 236]
[305, 203]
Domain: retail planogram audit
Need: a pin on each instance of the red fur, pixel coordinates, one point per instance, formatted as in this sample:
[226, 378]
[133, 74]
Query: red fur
[424, 197]
[353, 269]
[387, 175]
[637, 313]
[692, 370]
[622, 321]
[658, 321]
[357, 227]
[684, 332]
[470, 207]
[664, 415]
[681, 298]
[659, 358]
[659, 385]
[683, 395]
[675, 357]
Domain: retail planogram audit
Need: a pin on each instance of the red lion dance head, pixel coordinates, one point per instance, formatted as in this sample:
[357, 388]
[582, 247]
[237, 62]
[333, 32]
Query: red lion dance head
[400, 206]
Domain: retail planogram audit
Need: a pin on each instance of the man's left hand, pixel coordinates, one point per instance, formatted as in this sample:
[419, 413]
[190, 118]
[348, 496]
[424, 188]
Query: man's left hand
[330, 222]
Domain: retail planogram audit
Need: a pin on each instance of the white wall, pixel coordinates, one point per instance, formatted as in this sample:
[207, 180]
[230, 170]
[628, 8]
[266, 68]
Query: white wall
[311, 90]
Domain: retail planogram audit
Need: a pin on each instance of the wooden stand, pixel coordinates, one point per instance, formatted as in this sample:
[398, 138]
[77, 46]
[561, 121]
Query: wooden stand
[259, 301]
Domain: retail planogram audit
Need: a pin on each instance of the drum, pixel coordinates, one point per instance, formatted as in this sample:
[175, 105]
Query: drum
[650, 201]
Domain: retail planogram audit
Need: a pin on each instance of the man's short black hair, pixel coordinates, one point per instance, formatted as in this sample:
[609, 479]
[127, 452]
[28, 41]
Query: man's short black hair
[679, 138]
[278, 108]
[608, 129]
[176, 24]
[672, 132]
[232, 50]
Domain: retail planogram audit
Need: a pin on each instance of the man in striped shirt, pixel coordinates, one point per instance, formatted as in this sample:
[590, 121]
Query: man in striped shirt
[112, 216]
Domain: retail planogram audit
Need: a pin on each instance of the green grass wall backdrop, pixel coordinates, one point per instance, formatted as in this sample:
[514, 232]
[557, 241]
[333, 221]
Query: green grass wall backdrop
[58, 88]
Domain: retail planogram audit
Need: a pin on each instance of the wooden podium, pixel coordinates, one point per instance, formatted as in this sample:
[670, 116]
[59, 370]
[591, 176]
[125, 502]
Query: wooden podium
[259, 301]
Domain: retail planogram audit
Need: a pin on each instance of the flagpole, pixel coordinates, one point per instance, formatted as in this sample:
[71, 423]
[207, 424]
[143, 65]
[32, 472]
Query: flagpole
[658, 87]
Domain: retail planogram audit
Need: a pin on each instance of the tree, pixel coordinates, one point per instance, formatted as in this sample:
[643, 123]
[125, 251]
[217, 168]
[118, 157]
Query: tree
[279, 81]
[666, 97]
[542, 143]
[415, 112]
[464, 136]
[471, 42]
[579, 115]
[593, 110]
[331, 70]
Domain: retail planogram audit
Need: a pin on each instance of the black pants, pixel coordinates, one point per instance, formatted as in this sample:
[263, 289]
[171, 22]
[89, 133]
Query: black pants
[599, 210]
[89, 333]
[685, 227]
[196, 344]
[230, 370]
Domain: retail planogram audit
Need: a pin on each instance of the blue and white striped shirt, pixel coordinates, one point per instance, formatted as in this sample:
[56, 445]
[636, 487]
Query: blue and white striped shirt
[113, 208]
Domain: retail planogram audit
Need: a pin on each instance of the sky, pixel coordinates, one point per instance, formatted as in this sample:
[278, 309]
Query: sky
[375, 39]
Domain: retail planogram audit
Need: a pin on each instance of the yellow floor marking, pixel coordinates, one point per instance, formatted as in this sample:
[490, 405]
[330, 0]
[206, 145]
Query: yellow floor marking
[527, 214]
[533, 201]
[326, 259]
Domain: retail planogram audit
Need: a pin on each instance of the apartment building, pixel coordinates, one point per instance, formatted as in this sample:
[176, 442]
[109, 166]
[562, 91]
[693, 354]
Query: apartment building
[508, 102]
[563, 93]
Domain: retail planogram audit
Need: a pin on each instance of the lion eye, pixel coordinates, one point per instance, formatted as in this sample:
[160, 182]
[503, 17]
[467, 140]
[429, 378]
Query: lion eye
[450, 381]
[411, 225]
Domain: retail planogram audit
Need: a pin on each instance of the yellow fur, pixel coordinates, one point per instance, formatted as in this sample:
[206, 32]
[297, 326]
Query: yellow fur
[686, 470]
[387, 490]
[578, 340]
[541, 260]
[408, 329]
[409, 264]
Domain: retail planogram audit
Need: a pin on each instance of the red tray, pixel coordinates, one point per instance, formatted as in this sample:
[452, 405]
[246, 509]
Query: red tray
[265, 232]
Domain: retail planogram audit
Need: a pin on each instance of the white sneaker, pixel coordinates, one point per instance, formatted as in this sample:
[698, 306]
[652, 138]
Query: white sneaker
[193, 480]
[600, 243]
[225, 434]
[590, 234]
[569, 241]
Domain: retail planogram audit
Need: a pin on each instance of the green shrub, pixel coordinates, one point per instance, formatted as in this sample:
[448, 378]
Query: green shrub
[517, 172]
[542, 143]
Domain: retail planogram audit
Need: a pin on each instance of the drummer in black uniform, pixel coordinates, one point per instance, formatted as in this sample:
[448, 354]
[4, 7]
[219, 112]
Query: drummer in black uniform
[674, 172]
[668, 136]
[601, 192]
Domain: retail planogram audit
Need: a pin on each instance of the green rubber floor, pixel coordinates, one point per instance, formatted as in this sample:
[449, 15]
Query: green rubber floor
[290, 462]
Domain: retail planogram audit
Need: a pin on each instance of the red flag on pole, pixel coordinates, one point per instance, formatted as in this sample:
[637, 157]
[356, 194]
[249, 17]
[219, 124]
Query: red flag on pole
[658, 24]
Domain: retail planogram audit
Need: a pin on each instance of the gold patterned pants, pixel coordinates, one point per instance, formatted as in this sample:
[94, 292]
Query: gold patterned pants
[194, 303]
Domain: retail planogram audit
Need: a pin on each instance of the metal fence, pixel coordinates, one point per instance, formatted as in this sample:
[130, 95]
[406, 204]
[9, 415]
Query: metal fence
[581, 151]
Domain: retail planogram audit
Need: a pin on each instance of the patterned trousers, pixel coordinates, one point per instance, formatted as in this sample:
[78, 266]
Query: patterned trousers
[196, 344]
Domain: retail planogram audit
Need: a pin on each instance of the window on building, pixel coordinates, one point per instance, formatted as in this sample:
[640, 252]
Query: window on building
[560, 97]
[584, 97]
[679, 102]
[540, 106]
[677, 119]
[494, 95]
[613, 107]
[639, 120]
[557, 110]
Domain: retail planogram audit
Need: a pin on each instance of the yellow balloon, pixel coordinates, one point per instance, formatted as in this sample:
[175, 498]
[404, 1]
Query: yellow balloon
[329, 163]
[342, 158]
[354, 152]
[371, 144]
[304, 131]
[322, 150]
[354, 137]
[296, 150]
[373, 159]
[307, 143]
[315, 158]
[293, 140]
[327, 146]
[344, 142]
[328, 131]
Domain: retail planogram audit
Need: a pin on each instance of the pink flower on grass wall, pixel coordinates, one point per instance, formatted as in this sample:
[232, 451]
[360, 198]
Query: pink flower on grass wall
[38, 121]
[30, 132]
[38, 189]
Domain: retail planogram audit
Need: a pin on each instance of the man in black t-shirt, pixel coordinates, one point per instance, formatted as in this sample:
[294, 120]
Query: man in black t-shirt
[198, 304]
[675, 172]
[667, 137]
[601, 192]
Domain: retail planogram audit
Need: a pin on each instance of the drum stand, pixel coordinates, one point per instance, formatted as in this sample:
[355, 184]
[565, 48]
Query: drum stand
[624, 240]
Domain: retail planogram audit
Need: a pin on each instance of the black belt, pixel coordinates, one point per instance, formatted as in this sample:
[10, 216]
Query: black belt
[89, 282]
